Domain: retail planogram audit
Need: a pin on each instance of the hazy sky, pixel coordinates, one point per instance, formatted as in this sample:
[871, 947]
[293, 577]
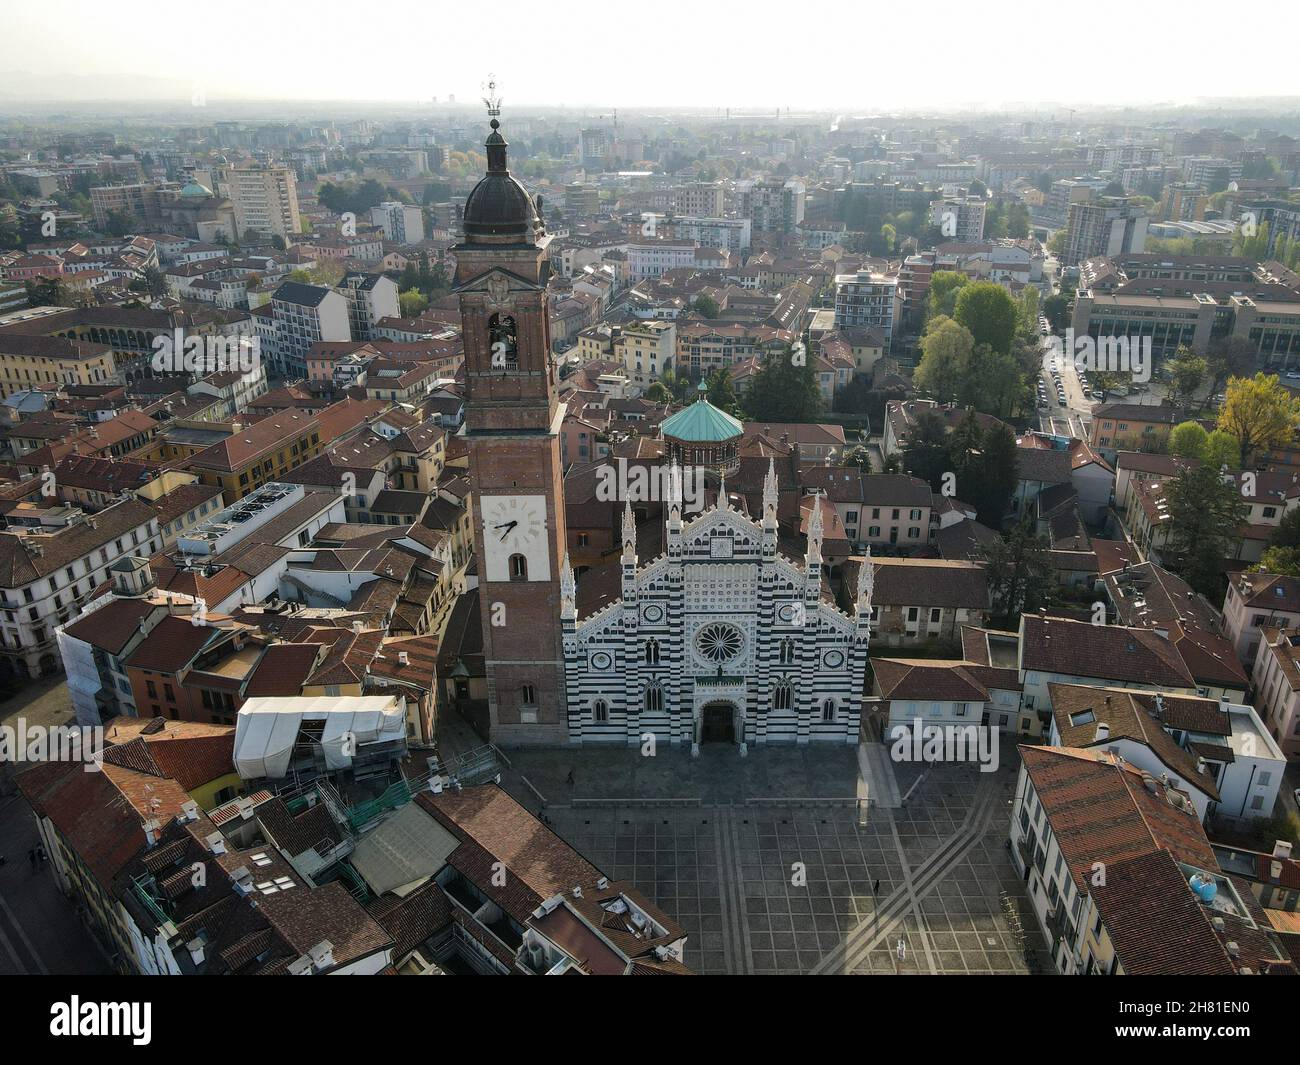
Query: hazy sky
[759, 54]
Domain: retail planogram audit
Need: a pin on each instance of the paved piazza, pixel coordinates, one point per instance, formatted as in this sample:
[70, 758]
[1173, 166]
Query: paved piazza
[771, 862]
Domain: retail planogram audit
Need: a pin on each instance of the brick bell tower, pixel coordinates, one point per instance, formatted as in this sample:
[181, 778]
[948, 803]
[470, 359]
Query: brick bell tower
[512, 423]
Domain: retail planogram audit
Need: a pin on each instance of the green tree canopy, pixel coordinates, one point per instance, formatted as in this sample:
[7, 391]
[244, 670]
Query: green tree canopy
[989, 312]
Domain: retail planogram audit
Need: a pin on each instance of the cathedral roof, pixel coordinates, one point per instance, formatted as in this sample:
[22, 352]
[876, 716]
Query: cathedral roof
[702, 422]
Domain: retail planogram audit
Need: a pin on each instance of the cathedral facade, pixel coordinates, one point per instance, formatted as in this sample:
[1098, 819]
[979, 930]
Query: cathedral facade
[720, 639]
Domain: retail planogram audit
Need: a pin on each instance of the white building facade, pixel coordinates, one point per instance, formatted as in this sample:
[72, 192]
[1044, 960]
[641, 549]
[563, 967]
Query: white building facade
[720, 639]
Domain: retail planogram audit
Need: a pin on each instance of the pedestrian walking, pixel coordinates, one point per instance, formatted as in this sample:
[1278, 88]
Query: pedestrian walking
[875, 888]
[569, 779]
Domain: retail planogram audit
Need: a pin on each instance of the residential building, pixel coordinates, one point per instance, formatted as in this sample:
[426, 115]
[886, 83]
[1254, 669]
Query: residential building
[1109, 226]
[866, 300]
[265, 200]
[1122, 878]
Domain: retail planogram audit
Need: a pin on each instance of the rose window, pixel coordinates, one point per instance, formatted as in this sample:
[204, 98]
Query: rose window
[718, 643]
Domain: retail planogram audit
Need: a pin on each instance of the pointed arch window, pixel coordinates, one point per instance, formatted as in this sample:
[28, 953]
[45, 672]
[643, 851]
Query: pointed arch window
[503, 343]
[600, 711]
[654, 698]
[787, 651]
[828, 710]
[652, 652]
[783, 696]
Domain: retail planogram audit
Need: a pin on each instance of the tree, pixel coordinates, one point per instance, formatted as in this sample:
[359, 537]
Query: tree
[1220, 449]
[656, 393]
[784, 390]
[945, 286]
[412, 303]
[1019, 571]
[721, 392]
[1001, 475]
[1259, 413]
[1057, 309]
[1188, 439]
[1284, 560]
[705, 306]
[1186, 372]
[1229, 357]
[989, 312]
[1205, 511]
[1287, 531]
[945, 349]
[925, 452]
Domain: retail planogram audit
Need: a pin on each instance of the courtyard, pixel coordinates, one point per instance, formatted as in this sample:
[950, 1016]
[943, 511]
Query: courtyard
[780, 863]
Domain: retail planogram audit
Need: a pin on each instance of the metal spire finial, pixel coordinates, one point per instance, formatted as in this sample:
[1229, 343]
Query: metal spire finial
[493, 99]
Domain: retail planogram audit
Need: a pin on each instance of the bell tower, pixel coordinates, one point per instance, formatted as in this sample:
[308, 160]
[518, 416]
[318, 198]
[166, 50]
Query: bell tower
[512, 424]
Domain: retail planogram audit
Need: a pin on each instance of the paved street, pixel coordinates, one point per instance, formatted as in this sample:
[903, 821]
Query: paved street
[772, 865]
[39, 932]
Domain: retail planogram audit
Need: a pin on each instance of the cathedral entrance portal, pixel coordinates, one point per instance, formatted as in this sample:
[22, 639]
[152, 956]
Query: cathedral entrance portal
[718, 723]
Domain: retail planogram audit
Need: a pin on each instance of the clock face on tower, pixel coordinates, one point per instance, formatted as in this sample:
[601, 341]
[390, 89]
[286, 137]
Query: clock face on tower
[514, 527]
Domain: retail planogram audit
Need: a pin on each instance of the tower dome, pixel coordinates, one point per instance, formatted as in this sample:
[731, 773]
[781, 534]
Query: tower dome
[499, 206]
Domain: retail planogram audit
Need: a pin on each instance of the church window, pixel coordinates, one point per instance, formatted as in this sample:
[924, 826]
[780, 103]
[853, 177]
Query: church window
[652, 652]
[787, 651]
[502, 342]
[828, 710]
[518, 568]
[654, 698]
[528, 695]
[782, 698]
[600, 711]
[719, 643]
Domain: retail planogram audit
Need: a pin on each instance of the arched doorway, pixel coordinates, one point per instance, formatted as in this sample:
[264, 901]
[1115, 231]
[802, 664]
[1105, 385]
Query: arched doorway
[718, 723]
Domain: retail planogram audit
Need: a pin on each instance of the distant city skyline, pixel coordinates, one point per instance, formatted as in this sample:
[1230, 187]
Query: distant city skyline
[944, 55]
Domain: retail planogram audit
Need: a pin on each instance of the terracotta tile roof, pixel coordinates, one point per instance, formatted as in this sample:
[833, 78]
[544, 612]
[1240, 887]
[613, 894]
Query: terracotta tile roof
[1101, 811]
[901, 678]
[1110, 652]
[1078, 709]
[490, 818]
[282, 670]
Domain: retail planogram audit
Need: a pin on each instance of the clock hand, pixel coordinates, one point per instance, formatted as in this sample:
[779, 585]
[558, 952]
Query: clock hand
[508, 529]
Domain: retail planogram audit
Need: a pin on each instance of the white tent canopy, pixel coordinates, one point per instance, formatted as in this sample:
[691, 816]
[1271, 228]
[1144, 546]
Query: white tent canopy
[267, 730]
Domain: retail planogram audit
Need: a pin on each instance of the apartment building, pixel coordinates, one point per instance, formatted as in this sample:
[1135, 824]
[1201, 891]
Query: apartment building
[1055, 650]
[960, 217]
[703, 199]
[402, 223]
[1110, 226]
[867, 300]
[773, 206]
[371, 298]
[710, 231]
[265, 200]
[53, 571]
[1122, 878]
[1256, 601]
[655, 258]
[49, 363]
[303, 315]
[1276, 676]
[645, 349]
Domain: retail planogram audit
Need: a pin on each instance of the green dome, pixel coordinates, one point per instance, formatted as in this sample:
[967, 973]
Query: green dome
[701, 423]
[194, 191]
